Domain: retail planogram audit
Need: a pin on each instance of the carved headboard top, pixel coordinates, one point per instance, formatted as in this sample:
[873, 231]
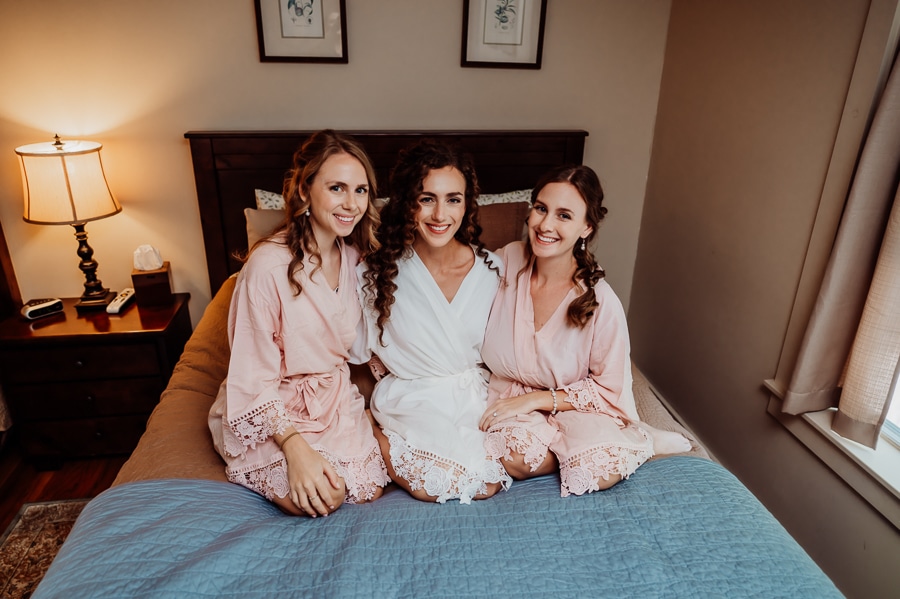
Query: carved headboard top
[229, 165]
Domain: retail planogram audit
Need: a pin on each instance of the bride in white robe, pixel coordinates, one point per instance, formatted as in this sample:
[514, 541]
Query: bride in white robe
[429, 402]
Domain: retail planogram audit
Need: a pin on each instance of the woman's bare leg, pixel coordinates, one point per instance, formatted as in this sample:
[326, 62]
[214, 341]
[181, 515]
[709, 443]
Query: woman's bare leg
[385, 445]
[517, 468]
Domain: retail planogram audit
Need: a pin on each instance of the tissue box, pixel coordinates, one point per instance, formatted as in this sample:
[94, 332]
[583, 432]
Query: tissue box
[152, 287]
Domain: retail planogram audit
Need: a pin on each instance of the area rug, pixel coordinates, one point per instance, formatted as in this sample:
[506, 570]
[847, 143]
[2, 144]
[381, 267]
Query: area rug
[31, 542]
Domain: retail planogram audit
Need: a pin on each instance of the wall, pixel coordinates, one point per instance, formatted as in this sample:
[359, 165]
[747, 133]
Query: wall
[751, 101]
[135, 79]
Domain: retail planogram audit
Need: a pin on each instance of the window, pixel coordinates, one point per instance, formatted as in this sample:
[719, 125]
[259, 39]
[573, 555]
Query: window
[891, 430]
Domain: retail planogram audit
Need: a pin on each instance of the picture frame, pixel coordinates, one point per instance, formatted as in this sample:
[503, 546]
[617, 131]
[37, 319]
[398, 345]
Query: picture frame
[302, 30]
[503, 34]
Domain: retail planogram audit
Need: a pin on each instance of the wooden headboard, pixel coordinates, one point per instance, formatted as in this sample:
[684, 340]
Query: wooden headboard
[229, 165]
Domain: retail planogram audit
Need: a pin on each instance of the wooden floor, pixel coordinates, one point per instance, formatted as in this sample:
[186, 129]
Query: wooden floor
[22, 483]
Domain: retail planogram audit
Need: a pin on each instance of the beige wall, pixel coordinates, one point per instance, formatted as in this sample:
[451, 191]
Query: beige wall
[751, 100]
[135, 78]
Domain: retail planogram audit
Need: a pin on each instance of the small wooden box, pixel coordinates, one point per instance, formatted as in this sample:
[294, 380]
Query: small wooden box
[153, 287]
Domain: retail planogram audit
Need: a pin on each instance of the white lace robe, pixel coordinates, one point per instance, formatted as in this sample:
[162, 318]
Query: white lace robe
[436, 391]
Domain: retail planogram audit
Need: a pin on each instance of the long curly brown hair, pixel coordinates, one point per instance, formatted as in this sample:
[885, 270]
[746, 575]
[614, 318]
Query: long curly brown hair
[398, 219]
[308, 161]
[585, 181]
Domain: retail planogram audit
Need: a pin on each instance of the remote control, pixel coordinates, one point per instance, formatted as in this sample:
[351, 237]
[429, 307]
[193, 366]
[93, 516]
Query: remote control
[122, 300]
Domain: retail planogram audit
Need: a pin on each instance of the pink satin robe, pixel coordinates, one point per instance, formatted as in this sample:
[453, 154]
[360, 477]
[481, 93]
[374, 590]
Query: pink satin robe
[590, 367]
[288, 367]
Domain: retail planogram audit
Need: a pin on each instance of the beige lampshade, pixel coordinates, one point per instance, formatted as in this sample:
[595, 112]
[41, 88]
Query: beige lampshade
[64, 183]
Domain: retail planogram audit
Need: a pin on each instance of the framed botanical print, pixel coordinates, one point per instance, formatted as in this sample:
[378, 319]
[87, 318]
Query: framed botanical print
[302, 30]
[507, 34]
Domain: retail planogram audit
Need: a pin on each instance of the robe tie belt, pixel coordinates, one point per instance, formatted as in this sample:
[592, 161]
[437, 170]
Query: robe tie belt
[472, 378]
[307, 392]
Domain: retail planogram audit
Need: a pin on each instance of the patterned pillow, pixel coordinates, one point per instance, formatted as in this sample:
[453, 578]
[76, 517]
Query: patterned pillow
[509, 197]
[267, 200]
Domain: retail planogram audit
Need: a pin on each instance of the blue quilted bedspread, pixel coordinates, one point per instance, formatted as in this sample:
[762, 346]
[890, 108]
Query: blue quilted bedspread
[679, 527]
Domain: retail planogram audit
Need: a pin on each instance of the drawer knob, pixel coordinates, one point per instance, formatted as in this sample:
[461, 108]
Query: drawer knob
[79, 363]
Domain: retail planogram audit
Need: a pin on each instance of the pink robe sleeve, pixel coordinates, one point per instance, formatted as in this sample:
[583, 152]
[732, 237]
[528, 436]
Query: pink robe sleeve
[606, 388]
[254, 408]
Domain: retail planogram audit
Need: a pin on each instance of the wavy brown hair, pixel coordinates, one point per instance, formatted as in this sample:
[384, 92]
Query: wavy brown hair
[398, 225]
[587, 271]
[308, 161]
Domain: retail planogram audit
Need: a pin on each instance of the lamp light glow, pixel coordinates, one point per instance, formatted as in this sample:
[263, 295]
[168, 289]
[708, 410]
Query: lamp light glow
[64, 184]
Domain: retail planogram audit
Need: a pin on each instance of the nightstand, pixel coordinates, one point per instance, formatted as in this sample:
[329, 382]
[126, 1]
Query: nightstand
[81, 385]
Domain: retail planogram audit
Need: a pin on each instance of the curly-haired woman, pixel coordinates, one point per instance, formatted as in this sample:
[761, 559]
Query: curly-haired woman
[426, 298]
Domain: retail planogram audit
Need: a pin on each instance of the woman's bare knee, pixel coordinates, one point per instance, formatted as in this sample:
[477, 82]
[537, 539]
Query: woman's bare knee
[492, 489]
[606, 483]
[287, 506]
[520, 470]
[378, 493]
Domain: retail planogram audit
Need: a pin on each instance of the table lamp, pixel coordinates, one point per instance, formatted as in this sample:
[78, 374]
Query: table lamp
[64, 184]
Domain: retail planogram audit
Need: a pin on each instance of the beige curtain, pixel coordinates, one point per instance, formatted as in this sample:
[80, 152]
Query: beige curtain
[852, 343]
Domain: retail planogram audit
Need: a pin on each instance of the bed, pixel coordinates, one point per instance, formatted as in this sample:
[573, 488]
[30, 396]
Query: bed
[171, 526]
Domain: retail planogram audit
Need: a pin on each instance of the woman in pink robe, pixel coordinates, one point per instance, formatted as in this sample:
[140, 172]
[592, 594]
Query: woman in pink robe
[287, 420]
[557, 345]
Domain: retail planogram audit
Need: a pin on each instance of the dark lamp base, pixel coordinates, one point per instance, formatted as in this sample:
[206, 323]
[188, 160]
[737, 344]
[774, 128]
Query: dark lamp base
[92, 304]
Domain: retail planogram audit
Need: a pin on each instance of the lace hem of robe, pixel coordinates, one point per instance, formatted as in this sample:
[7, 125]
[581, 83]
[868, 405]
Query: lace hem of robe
[503, 440]
[254, 427]
[362, 476]
[443, 478]
[580, 473]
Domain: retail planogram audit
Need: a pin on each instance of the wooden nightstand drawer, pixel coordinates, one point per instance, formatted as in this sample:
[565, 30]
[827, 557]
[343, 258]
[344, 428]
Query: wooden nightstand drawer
[86, 362]
[83, 399]
[84, 384]
[58, 439]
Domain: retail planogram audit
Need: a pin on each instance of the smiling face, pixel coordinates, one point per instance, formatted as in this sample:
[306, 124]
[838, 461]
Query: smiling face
[338, 198]
[442, 207]
[557, 221]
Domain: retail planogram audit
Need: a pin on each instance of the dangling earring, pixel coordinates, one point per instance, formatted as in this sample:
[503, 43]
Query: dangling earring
[307, 212]
[582, 244]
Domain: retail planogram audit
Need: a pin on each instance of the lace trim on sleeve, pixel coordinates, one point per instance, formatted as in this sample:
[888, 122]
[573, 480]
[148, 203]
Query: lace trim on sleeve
[584, 397]
[254, 427]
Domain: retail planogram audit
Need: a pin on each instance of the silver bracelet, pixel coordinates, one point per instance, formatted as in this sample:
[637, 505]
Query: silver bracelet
[553, 395]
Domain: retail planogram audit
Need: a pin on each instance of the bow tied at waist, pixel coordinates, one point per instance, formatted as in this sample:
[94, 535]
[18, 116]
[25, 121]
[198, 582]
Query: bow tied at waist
[306, 394]
[473, 377]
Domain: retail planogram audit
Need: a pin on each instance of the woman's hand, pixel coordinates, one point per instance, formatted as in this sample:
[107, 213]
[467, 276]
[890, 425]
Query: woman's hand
[316, 489]
[510, 407]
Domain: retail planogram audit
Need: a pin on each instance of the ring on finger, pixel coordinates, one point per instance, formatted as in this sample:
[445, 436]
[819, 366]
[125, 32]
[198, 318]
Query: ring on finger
[313, 497]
